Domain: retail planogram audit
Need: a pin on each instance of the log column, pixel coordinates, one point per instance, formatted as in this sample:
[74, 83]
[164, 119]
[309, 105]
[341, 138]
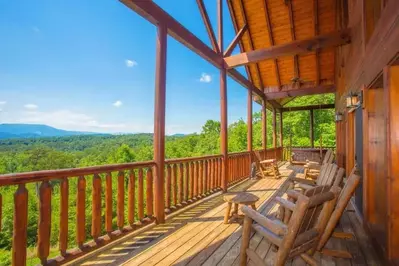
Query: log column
[264, 127]
[281, 128]
[249, 121]
[311, 117]
[159, 122]
[274, 128]
[223, 102]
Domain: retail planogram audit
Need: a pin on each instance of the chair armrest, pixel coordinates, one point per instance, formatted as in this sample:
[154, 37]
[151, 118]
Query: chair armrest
[275, 226]
[306, 186]
[303, 181]
[285, 203]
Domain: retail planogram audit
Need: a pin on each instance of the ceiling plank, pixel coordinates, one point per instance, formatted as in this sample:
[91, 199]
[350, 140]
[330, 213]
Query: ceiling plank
[270, 32]
[333, 39]
[301, 92]
[235, 41]
[250, 41]
[308, 107]
[208, 25]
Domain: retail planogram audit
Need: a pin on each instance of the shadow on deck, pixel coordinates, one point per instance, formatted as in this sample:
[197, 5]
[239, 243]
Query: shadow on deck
[196, 235]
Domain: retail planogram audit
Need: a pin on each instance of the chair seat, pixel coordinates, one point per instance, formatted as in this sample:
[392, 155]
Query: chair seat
[269, 161]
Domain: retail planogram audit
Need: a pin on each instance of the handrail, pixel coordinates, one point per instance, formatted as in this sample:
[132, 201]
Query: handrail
[37, 176]
[191, 159]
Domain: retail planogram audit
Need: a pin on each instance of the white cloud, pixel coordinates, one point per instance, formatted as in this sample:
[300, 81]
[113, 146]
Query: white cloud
[3, 102]
[31, 106]
[130, 63]
[206, 78]
[36, 29]
[117, 104]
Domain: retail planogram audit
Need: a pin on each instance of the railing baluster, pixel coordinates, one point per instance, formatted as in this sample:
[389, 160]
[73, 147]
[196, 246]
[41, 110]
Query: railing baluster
[191, 176]
[214, 174]
[96, 208]
[20, 226]
[204, 165]
[200, 178]
[186, 180]
[81, 212]
[131, 196]
[195, 176]
[150, 194]
[64, 197]
[108, 203]
[174, 185]
[120, 209]
[181, 177]
[141, 196]
[44, 226]
[167, 188]
[211, 175]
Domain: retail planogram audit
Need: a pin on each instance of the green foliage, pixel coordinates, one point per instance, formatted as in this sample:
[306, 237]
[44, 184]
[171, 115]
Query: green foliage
[22, 155]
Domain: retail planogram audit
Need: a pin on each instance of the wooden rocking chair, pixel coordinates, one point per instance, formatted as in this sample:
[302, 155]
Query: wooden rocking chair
[342, 202]
[332, 177]
[266, 167]
[300, 235]
[312, 169]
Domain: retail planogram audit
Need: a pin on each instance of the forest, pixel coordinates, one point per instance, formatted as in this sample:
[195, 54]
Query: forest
[33, 154]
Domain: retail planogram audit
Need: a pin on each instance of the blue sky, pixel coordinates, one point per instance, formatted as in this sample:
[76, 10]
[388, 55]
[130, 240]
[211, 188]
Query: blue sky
[89, 65]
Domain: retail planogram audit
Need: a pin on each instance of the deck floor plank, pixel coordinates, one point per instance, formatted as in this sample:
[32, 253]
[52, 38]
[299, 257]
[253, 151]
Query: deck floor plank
[198, 236]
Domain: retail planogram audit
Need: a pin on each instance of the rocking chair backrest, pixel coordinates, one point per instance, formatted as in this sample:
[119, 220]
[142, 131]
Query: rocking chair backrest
[342, 202]
[327, 175]
[304, 226]
[328, 157]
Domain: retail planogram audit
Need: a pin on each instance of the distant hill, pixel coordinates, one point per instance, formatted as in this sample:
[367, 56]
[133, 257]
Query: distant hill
[34, 131]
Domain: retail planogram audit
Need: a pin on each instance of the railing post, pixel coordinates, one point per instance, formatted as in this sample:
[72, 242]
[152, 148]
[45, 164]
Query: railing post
[264, 127]
[249, 121]
[223, 102]
[159, 122]
[281, 129]
[311, 128]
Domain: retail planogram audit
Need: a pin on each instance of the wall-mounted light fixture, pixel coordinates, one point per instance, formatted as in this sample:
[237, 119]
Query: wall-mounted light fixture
[353, 100]
[338, 116]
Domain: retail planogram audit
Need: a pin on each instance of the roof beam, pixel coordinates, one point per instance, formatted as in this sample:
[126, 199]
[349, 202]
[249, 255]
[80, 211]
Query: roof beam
[269, 30]
[297, 47]
[292, 26]
[308, 107]
[156, 15]
[301, 92]
[208, 25]
[236, 40]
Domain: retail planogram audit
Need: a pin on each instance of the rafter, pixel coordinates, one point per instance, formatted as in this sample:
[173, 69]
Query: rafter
[250, 41]
[297, 47]
[208, 25]
[301, 92]
[292, 26]
[269, 30]
[236, 40]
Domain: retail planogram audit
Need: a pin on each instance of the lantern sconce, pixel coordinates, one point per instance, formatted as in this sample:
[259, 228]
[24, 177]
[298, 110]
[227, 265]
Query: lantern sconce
[353, 100]
[338, 117]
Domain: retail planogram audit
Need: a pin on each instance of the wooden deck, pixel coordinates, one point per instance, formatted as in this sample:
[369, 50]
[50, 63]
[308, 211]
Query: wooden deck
[197, 235]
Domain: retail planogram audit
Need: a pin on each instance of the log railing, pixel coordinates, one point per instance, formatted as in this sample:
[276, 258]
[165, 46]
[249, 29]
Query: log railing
[190, 179]
[109, 201]
[97, 205]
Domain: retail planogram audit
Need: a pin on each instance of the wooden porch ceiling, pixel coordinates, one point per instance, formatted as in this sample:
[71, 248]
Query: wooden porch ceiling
[307, 28]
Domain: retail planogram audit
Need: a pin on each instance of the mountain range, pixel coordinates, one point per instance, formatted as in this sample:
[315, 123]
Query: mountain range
[34, 131]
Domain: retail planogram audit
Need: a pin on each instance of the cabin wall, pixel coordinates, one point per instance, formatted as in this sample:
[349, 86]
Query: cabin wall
[369, 65]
